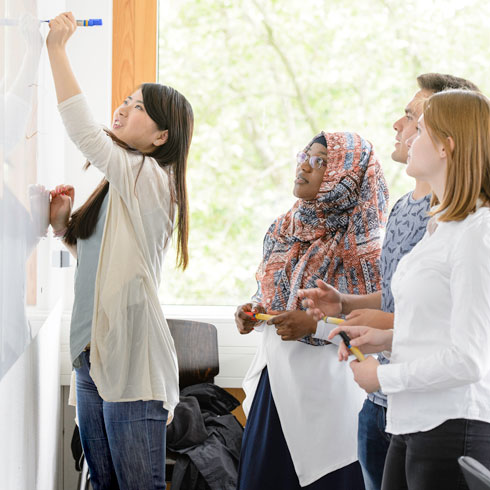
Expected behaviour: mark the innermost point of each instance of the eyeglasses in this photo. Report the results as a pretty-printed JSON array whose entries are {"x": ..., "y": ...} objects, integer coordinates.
[{"x": 315, "y": 162}]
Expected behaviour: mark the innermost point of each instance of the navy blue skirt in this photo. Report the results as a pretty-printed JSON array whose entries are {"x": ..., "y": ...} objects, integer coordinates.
[{"x": 265, "y": 461}]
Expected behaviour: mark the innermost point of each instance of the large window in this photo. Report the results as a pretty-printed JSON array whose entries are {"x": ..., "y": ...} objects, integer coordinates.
[{"x": 263, "y": 78}]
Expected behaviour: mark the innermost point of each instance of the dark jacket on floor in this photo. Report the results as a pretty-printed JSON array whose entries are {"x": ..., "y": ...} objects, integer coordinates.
[{"x": 207, "y": 439}]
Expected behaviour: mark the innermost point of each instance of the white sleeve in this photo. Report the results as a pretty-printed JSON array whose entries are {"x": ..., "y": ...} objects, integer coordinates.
[
  {"x": 467, "y": 360},
  {"x": 323, "y": 330},
  {"x": 114, "y": 162}
]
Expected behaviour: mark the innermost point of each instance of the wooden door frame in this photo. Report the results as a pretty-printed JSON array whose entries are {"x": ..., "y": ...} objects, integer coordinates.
[{"x": 134, "y": 46}]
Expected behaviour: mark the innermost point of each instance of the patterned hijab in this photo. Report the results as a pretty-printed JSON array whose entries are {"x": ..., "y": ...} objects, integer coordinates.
[{"x": 335, "y": 237}]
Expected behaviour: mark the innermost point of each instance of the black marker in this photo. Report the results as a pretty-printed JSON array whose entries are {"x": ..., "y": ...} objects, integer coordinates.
[{"x": 354, "y": 350}]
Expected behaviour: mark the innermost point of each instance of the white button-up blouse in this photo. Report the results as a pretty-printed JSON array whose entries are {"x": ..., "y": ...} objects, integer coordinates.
[{"x": 440, "y": 363}]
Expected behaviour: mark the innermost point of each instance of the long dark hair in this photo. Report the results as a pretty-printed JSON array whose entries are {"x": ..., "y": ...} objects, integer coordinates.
[{"x": 171, "y": 111}]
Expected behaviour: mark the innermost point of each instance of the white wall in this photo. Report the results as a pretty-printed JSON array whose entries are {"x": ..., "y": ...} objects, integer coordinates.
[{"x": 30, "y": 412}]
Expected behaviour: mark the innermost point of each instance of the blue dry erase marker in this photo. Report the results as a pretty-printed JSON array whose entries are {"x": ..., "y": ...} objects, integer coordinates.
[{"x": 83, "y": 23}]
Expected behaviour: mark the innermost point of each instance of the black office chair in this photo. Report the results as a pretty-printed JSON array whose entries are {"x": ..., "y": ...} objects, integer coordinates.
[
  {"x": 196, "y": 344},
  {"x": 476, "y": 475}
]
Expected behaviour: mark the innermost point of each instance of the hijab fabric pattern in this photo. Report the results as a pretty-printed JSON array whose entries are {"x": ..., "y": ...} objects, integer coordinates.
[{"x": 335, "y": 237}]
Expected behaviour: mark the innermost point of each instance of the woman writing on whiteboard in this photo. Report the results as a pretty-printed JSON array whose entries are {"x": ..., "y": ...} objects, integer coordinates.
[
  {"x": 438, "y": 382},
  {"x": 121, "y": 347}
]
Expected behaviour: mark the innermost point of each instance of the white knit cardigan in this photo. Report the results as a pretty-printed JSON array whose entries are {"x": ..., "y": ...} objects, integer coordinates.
[{"x": 132, "y": 352}]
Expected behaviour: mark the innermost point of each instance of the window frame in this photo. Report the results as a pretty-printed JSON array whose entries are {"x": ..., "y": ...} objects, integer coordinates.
[
  {"x": 134, "y": 46},
  {"x": 134, "y": 61}
]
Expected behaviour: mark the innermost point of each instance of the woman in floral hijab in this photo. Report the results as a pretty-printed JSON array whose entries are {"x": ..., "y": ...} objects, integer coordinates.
[{"x": 302, "y": 422}]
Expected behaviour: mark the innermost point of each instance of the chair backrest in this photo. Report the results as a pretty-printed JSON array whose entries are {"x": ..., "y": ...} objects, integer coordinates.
[
  {"x": 476, "y": 475},
  {"x": 196, "y": 344}
]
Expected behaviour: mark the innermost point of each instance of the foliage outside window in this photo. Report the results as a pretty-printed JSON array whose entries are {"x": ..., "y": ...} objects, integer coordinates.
[{"x": 263, "y": 78}]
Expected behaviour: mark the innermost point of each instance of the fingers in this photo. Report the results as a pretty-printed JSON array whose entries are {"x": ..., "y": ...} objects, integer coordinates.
[
  {"x": 353, "y": 365},
  {"x": 309, "y": 294},
  {"x": 354, "y": 321},
  {"x": 354, "y": 314},
  {"x": 258, "y": 308},
  {"x": 286, "y": 334},
  {"x": 61, "y": 29},
  {"x": 70, "y": 191},
  {"x": 65, "y": 19},
  {"x": 241, "y": 313},
  {"x": 244, "y": 323},
  {"x": 323, "y": 285},
  {"x": 334, "y": 332},
  {"x": 316, "y": 313},
  {"x": 343, "y": 352},
  {"x": 279, "y": 318},
  {"x": 363, "y": 339},
  {"x": 66, "y": 190},
  {"x": 351, "y": 330},
  {"x": 307, "y": 302}
]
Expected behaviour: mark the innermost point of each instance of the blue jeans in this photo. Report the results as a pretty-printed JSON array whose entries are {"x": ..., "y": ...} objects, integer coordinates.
[
  {"x": 372, "y": 443},
  {"x": 123, "y": 442}
]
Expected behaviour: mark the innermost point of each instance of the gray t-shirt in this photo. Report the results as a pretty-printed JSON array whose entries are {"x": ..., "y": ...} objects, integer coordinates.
[
  {"x": 405, "y": 228},
  {"x": 88, "y": 251}
]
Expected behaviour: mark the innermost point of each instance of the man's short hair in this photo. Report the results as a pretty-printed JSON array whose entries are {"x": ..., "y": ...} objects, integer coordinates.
[{"x": 437, "y": 82}]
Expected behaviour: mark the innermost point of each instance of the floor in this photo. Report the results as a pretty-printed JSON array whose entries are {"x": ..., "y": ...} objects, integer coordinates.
[{"x": 239, "y": 394}]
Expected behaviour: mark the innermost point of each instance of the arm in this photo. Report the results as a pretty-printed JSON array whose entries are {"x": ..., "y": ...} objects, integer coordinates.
[
  {"x": 61, "y": 29},
  {"x": 89, "y": 137},
  {"x": 371, "y": 318},
  {"x": 466, "y": 359},
  {"x": 60, "y": 210},
  {"x": 325, "y": 300},
  {"x": 351, "y": 302}
]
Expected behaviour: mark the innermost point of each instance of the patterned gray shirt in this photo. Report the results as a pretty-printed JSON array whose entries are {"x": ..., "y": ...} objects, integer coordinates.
[{"x": 405, "y": 228}]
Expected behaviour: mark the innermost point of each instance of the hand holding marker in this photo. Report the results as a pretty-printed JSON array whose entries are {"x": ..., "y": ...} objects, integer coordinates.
[
  {"x": 259, "y": 316},
  {"x": 85, "y": 22},
  {"x": 345, "y": 337}
]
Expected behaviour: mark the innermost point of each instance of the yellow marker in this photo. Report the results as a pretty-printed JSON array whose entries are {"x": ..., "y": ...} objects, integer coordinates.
[
  {"x": 338, "y": 321},
  {"x": 263, "y": 316},
  {"x": 332, "y": 320},
  {"x": 259, "y": 316}
]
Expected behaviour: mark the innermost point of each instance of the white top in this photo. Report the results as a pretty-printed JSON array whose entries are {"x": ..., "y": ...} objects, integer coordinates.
[
  {"x": 323, "y": 330},
  {"x": 132, "y": 353},
  {"x": 440, "y": 363},
  {"x": 317, "y": 402}
]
